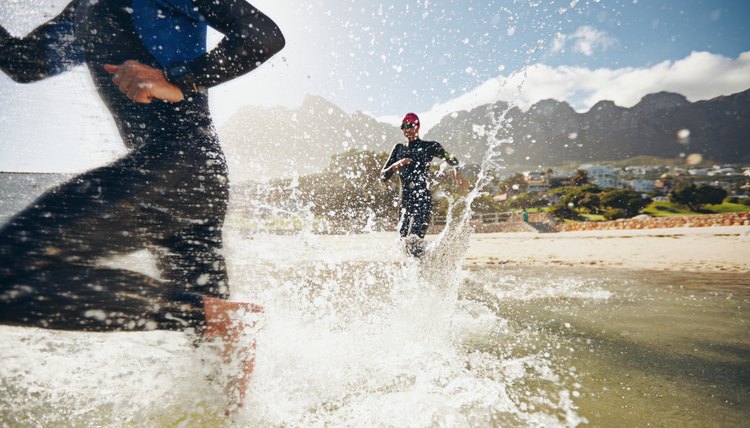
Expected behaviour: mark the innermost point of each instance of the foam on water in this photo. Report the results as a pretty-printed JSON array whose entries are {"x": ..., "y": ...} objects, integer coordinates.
[
  {"x": 372, "y": 338},
  {"x": 513, "y": 287},
  {"x": 344, "y": 342},
  {"x": 351, "y": 336},
  {"x": 354, "y": 334}
]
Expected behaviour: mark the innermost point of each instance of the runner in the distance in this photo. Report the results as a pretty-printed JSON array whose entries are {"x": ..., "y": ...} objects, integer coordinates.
[
  {"x": 412, "y": 163},
  {"x": 169, "y": 194}
]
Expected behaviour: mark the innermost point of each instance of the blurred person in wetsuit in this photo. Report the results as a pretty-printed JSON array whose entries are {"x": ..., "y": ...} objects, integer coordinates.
[
  {"x": 411, "y": 161},
  {"x": 151, "y": 67}
]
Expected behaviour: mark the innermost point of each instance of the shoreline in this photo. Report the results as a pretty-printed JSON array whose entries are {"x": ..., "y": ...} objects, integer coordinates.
[
  {"x": 688, "y": 249},
  {"x": 685, "y": 249}
]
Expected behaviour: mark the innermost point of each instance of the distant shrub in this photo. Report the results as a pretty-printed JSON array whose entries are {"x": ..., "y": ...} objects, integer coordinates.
[
  {"x": 696, "y": 196},
  {"x": 564, "y": 212},
  {"x": 745, "y": 201},
  {"x": 628, "y": 201},
  {"x": 731, "y": 200},
  {"x": 485, "y": 204},
  {"x": 526, "y": 200},
  {"x": 615, "y": 213}
]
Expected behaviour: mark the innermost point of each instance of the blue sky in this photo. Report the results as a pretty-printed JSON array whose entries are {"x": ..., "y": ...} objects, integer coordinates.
[
  {"x": 428, "y": 56},
  {"x": 381, "y": 56}
]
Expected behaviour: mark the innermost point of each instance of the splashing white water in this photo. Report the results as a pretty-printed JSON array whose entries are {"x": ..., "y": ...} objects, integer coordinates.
[
  {"x": 354, "y": 335},
  {"x": 345, "y": 341}
]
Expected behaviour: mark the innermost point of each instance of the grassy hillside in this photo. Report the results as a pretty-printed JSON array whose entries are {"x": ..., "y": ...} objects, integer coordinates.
[{"x": 665, "y": 209}]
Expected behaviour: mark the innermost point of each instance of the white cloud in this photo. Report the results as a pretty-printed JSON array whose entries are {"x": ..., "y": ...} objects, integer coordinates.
[
  {"x": 558, "y": 43},
  {"x": 699, "y": 76},
  {"x": 585, "y": 40}
]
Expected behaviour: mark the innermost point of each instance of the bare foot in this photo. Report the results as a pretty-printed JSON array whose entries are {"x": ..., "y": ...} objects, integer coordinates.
[{"x": 226, "y": 320}]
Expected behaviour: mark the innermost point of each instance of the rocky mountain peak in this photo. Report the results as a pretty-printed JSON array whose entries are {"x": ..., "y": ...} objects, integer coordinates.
[{"x": 661, "y": 100}]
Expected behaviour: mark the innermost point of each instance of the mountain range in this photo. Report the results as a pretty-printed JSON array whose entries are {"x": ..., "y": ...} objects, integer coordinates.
[{"x": 283, "y": 142}]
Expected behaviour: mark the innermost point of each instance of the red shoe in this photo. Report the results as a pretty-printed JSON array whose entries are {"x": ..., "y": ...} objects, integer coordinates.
[{"x": 226, "y": 320}]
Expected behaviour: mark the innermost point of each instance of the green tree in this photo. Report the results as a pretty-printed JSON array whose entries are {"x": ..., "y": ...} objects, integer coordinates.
[
  {"x": 526, "y": 200},
  {"x": 485, "y": 204},
  {"x": 570, "y": 195},
  {"x": 349, "y": 191},
  {"x": 613, "y": 203},
  {"x": 570, "y": 200},
  {"x": 626, "y": 203},
  {"x": 564, "y": 212},
  {"x": 514, "y": 184},
  {"x": 580, "y": 178},
  {"x": 694, "y": 197},
  {"x": 590, "y": 202}
]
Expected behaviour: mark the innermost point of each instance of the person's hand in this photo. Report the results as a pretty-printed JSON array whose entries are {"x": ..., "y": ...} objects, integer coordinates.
[
  {"x": 142, "y": 83},
  {"x": 403, "y": 162}
]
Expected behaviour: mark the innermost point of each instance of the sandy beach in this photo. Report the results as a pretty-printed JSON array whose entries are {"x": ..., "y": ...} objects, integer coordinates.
[
  {"x": 689, "y": 249},
  {"x": 705, "y": 249}
]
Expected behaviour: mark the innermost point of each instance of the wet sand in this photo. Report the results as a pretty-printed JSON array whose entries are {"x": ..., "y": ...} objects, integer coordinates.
[
  {"x": 709, "y": 249},
  {"x": 697, "y": 249}
]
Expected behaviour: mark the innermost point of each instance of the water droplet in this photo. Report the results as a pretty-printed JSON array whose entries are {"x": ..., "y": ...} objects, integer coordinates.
[{"x": 694, "y": 158}]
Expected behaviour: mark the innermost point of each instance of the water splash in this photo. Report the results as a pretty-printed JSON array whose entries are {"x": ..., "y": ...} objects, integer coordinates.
[
  {"x": 354, "y": 336},
  {"x": 445, "y": 254}
]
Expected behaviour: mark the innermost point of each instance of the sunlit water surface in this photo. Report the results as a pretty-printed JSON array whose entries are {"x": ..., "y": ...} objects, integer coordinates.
[{"x": 355, "y": 334}]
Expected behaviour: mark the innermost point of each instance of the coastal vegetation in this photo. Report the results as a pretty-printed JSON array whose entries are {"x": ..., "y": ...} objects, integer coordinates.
[{"x": 348, "y": 196}]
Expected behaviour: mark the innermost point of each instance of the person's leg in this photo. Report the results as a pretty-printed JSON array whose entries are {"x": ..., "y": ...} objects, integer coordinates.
[
  {"x": 62, "y": 225},
  {"x": 228, "y": 321},
  {"x": 189, "y": 246},
  {"x": 405, "y": 223},
  {"x": 49, "y": 275},
  {"x": 422, "y": 213},
  {"x": 87, "y": 298},
  {"x": 420, "y": 208},
  {"x": 407, "y": 214},
  {"x": 190, "y": 260}
]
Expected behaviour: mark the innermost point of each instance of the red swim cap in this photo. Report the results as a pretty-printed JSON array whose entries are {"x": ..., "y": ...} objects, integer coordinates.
[{"x": 411, "y": 118}]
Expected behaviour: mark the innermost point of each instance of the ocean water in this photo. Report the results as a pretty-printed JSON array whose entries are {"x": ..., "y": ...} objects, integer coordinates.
[
  {"x": 17, "y": 190},
  {"x": 356, "y": 334}
]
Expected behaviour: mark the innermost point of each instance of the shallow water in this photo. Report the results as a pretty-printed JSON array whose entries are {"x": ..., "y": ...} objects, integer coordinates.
[
  {"x": 355, "y": 335},
  {"x": 641, "y": 347}
]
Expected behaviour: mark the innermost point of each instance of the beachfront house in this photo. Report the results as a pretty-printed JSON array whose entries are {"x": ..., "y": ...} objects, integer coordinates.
[
  {"x": 602, "y": 176},
  {"x": 536, "y": 181},
  {"x": 644, "y": 186},
  {"x": 726, "y": 171}
]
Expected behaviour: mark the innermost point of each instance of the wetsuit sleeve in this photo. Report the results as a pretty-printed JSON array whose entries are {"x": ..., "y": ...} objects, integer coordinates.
[
  {"x": 385, "y": 173},
  {"x": 439, "y": 152},
  {"x": 250, "y": 38},
  {"x": 48, "y": 50}
]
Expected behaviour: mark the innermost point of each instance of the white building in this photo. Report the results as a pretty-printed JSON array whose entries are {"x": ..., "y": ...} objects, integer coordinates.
[
  {"x": 602, "y": 176},
  {"x": 722, "y": 171},
  {"x": 536, "y": 181},
  {"x": 642, "y": 185},
  {"x": 698, "y": 171}
]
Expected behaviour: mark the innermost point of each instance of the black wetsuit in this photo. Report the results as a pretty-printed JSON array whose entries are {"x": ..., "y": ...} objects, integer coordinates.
[
  {"x": 169, "y": 194},
  {"x": 416, "y": 199}
]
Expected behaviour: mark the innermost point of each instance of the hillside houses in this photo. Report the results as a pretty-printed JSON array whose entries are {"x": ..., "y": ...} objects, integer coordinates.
[
  {"x": 603, "y": 176},
  {"x": 655, "y": 180}
]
